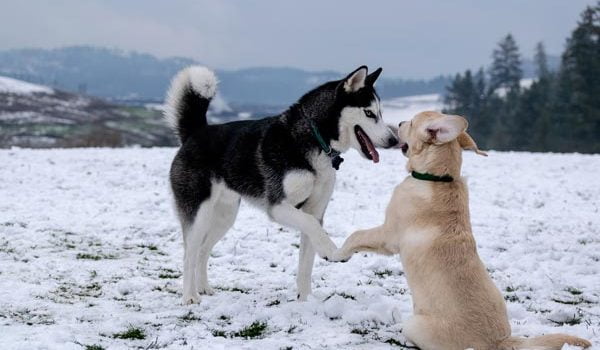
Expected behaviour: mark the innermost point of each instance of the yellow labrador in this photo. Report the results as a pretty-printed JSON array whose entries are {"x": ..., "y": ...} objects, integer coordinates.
[{"x": 456, "y": 304}]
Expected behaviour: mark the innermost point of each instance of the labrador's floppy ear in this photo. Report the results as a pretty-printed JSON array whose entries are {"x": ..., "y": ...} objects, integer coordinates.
[
  {"x": 442, "y": 130},
  {"x": 356, "y": 80},
  {"x": 371, "y": 78},
  {"x": 466, "y": 142}
]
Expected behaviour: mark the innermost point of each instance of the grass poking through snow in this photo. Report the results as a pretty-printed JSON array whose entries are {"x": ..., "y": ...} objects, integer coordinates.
[{"x": 131, "y": 333}]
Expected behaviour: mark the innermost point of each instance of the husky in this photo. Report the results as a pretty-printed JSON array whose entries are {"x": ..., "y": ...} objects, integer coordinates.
[{"x": 284, "y": 164}]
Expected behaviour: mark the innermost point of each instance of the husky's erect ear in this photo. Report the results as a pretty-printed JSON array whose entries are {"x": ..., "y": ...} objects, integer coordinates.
[
  {"x": 444, "y": 129},
  {"x": 356, "y": 80},
  {"x": 371, "y": 78},
  {"x": 466, "y": 142}
]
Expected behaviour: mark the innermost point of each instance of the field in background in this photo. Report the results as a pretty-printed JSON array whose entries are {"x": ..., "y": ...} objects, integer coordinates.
[
  {"x": 37, "y": 116},
  {"x": 90, "y": 255}
]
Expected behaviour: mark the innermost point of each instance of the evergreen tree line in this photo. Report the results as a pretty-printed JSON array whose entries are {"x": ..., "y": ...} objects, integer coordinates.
[{"x": 558, "y": 112}]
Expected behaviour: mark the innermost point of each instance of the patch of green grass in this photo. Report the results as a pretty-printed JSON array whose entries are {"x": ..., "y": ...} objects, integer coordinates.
[
  {"x": 396, "y": 342},
  {"x": 88, "y": 256},
  {"x": 274, "y": 302},
  {"x": 189, "y": 317},
  {"x": 342, "y": 294},
  {"x": 131, "y": 333},
  {"x": 573, "y": 291},
  {"x": 166, "y": 288},
  {"x": 360, "y": 331},
  {"x": 382, "y": 274},
  {"x": 568, "y": 302},
  {"x": 94, "y": 347},
  {"x": 393, "y": 341},
  {"x": 255, "y": 330},
  {"x": 166, "y": 275},
  {"x": 234, "y": 289},
  {"x": 512, "y": 298},
  {"x": 571, "y": 321},
  {"x": 148, "y": 246},
  {"x": 219, "y": 333}
]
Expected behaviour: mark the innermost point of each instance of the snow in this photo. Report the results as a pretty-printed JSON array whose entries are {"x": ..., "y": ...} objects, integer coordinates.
[
  {"x": 89, "y": 246},
  {"x": 404, "y": 108},
  {"x": 10, "y": 85},
  {"x": 523, "y": 83}
]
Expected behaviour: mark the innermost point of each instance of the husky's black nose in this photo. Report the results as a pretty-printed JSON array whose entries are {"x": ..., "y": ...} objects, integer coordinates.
[{"x": 392, "y": 141}]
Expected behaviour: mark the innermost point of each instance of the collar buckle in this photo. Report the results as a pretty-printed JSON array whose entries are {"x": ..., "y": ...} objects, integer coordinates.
[{"x": 334, "y": 154}]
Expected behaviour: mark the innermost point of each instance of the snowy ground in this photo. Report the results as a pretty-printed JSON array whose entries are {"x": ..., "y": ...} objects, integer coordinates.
[
  {"x": 89, "y": 248},
  {"x": 21, "y": 87}
]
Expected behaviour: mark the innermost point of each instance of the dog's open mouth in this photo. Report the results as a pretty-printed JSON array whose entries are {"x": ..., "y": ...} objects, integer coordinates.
[
  {"x": 366, "y": 145},
  {"x": 404, "y": 147}
]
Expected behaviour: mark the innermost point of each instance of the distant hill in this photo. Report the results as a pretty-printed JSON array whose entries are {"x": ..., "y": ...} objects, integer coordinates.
[
  {"x": 39, "y": 117},
  {"x": 135, "y": 77}
]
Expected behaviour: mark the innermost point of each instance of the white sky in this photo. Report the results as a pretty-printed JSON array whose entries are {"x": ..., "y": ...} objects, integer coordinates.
[{"x": 412, "y": 39}]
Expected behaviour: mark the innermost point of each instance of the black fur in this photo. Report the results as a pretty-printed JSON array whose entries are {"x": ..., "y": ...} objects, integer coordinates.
[{"x": 252, "y": 157}]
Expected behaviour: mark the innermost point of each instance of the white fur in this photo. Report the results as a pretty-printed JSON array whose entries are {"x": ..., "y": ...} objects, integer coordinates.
[
  {"x": 298, "y": 185},
  {"x": 201, "y": 79},
  {"x": 287, "y": 215},
  {"x": 316, "y": 194},
  {"x": 315, "y": 205},
  {"x": 214, "y": 218},
  {"x": 377, "y": 130}
]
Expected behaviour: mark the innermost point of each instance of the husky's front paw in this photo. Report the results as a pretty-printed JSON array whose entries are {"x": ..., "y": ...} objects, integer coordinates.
[
  {"x": 326, "y": 248},
  {"x": 340, "y": 255}
]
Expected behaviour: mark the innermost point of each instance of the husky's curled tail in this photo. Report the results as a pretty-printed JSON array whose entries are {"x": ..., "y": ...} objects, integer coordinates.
[
  {"x": 188, "y": 99},
  {"x": 544, "y": 342}
]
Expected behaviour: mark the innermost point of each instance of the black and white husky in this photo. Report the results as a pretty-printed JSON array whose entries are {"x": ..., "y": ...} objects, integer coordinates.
[{"x": 284, "y": 164}]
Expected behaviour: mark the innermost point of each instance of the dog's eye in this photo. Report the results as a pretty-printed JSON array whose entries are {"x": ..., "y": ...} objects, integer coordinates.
[{"x": 370, "y": 114}]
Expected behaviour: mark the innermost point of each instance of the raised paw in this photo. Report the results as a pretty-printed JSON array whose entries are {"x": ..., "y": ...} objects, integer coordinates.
[
  {"x": 326, "y": 249},
  {"x": 340, "y": 255}
]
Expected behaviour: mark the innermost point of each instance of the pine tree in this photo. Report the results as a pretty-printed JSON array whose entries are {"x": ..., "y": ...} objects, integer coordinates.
[
  {"x": 537, "y": 101},
  {"x": 480, "y": 121},
  {"x": 576, "y": 112},
  {"x": 466, "y": 96},
  {"x": 506, "y": 69},
  {"x": 459, "y": 94},
  {"x": 541, "y": 61},
  {"x": 504, "y": 93}
]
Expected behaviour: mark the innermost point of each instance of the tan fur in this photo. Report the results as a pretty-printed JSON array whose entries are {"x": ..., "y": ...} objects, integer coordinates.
[{"x": 456, "y": 304}]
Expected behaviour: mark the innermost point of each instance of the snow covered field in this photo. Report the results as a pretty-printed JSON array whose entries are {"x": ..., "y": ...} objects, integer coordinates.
[{"x": 90, "y": 254}]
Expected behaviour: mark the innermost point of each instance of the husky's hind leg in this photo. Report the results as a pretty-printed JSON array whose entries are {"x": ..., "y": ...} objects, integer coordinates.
[
  {"x": 224, "y": 213},
  {"x": 193, "y": 235}
]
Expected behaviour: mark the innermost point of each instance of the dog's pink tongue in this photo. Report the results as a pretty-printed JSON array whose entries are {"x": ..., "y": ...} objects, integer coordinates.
[{"x": 372, "y": 150}]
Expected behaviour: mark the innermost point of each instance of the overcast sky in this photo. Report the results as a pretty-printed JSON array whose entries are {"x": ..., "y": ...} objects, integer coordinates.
[{"x": 412, "y": 39}]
